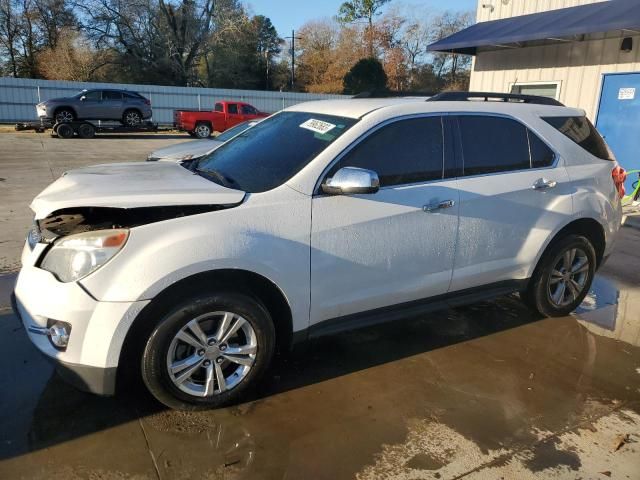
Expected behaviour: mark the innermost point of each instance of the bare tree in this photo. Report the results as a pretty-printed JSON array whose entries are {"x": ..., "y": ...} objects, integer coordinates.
[
  {"x": 10, "y": 25},
  {"x": 451, "y": 64},
  {"x": 53, "y": 16},
  {"x": 415, "y": 39},
  {"x": 72, "y": 58}
]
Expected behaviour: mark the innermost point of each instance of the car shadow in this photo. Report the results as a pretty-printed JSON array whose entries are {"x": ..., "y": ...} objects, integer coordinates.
[
  {"x": 38, "y": 415},
  {"x": 141, "y": 136}
]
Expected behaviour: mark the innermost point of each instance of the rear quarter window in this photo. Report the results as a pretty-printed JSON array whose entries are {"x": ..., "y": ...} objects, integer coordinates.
[{"x": 582, "y": 132}]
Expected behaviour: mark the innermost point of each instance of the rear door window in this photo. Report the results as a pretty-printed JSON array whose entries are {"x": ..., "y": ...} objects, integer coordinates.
[
  {"x": 581, "y": 131},
  {"x": 406, "y": 151},
  {"x": 493, "y": 144},
  {"x": 218, "y": 107},
  {"x": 232, "y": 108}
]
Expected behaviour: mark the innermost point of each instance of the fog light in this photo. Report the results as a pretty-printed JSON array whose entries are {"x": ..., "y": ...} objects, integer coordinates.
[{"x": 59, "y": 333}]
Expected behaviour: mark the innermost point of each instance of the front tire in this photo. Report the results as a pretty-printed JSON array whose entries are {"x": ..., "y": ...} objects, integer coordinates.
[
  {"x": 563, "y": 277},
  {"x": 64, "y": 130},
  {"x": 208, "y": 351}
]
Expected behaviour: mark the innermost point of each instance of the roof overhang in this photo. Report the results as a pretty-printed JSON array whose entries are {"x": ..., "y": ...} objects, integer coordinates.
[{"x": 554, "y": 26}]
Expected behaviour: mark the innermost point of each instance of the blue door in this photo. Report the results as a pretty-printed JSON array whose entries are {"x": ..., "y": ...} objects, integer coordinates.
[{"x": 619, "y": 119}]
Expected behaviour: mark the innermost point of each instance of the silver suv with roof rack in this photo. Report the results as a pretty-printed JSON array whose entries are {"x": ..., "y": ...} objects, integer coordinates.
[
  {"x": 129, "y": 108},
  {"x": 323, "y": 217}
]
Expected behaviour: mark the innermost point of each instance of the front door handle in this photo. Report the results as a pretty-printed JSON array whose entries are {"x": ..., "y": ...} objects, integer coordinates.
[
  {"x": 544, "y": 184},
  {"x": 432, "y": 207}
]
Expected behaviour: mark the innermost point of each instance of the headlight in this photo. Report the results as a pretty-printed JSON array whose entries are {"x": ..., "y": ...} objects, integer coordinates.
[
  {"x": 76, "y": 256},
  {"x": 33, "y": 236}
]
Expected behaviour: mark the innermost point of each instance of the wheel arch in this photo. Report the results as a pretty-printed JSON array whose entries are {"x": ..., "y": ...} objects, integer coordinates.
[
  {"x": 230, "y": 279},
  {"x": 586, "y": 227},
  {"x": 130, "y": 109}
]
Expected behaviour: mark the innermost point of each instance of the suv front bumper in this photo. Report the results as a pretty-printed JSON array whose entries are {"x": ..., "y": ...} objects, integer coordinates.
[
  {"x": 98, "y": 329},
  {"x": 101, "y": 381}
]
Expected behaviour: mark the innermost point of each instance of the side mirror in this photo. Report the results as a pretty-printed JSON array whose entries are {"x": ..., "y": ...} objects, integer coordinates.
[{"x": 352, "y": 180}]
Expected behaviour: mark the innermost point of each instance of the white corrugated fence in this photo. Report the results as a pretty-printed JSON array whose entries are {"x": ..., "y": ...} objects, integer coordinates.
[{"x": 18, "y": 97}]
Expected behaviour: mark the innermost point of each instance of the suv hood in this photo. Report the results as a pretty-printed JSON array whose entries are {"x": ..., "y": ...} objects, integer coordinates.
[
  {"x": 132, "y": 185},
  {"x": 60, "y": 99}
]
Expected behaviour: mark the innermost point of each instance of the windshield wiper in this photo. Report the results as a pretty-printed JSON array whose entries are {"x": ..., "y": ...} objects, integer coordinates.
[{"x": 216, "y": 177}]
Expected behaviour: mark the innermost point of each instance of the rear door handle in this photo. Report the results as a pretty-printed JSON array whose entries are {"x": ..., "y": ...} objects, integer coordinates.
[
  {"x": 544, "y": 184},
  {"x": 432, "y": 207}
]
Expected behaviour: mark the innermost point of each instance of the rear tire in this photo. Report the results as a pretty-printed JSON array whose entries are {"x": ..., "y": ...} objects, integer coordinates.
[
  {"x": 562, "y": 278},
  {"x": 202, "y": 130},
  {"x": 86, "y": 130},
  {"x": 131, "y": 118},
  {"x": 182, "y": 364}
]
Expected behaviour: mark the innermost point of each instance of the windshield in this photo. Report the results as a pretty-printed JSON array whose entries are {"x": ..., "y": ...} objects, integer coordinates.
[
  {"x": 271, "y": 152},
  {"x": 233, "y": 131}
]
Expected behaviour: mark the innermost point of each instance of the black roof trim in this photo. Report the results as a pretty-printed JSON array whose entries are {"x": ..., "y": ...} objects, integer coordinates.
[{"x": 493, "y": 97}]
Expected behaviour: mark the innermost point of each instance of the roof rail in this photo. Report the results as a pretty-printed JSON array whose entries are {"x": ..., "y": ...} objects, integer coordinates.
[
  {"x": 493, "y": 97},
  {"x": 391, "y": 94}
]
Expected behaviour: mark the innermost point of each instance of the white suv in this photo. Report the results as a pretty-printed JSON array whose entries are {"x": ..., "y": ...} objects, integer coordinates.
[{"x": 326, "y": 216}]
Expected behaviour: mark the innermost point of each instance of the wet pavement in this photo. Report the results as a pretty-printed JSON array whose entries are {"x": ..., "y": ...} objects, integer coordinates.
[{"x": 487, "y": 391}]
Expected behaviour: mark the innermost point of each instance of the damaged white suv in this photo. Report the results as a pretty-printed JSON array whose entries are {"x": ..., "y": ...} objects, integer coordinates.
[{"x": 326, "y": 216}]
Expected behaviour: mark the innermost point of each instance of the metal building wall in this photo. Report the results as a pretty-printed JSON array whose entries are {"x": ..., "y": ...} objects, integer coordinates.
[
  {"x": 578, "y": 66},
  {"x": 18, "y": 97},
  {"x": 513, "y": 8}
]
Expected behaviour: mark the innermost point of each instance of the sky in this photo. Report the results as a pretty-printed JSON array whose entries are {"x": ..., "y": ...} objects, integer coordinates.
[{"x": 292, "y": 14}]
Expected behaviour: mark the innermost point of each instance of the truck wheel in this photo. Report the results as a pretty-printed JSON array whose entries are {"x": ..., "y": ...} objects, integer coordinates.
[
  {"x": 131, "y": 118},
  {"x": 86, "y": 130},
  {"x": 64, "y": 115},
  {"x": 208, "y": 350},
  {"x": 203, "y": 130},
  {"x": 64, "y": 130}
]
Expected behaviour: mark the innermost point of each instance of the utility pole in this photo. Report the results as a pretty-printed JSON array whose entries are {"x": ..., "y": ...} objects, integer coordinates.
[{"x": 293, "y": 58}]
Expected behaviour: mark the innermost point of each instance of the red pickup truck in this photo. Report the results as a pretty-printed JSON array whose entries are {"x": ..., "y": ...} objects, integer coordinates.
[{"x": 225, "y": 115}]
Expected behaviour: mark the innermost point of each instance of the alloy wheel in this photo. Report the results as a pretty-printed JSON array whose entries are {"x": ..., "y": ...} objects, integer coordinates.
[
  {"x": 203, "y": 131},
  {"x": 212, "y": 354},
  {"x": 64, "y": 116},
  {"x": 568, "y": 277},
  {"x": 132, "y": 118}
]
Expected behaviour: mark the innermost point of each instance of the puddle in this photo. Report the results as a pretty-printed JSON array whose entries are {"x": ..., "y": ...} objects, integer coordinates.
[{"x": 611, "y": 312}]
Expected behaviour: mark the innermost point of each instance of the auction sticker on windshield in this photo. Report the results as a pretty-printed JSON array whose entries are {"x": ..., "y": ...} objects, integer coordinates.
[{"x": 317, "y": 126}]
